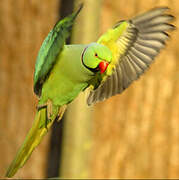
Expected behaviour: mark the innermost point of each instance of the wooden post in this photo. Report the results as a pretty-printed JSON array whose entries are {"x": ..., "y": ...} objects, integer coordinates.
[{"x": 77, "y": 140}]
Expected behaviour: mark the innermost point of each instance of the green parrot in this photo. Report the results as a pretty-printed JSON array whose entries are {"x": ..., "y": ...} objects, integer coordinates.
[{"x": 106, "y": 67}]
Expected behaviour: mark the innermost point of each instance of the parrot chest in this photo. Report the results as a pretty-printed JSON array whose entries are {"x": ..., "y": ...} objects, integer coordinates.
[{"x": 67, "y": 78}]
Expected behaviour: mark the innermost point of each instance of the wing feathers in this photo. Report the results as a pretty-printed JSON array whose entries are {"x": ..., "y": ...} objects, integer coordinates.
[
  {"x": 156, "y": 21},
  {"x": 135, "y": 58},
  {"x": 146, "y": 17},
  {"x": 146, "y": 50},
  {"x": 138, "y": 46},
  {"x": 157, "y": 36},
  {"x": 115, "y": 82},
  {"x": 150, "y": 43},
  {"x": 135, "y": 65},
  {"x": 158, "y": 28},
  {"x": 50, "y": 49}
]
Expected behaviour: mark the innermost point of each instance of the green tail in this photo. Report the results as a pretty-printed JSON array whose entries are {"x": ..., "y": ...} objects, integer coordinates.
[{"x": 34, "y": 137}]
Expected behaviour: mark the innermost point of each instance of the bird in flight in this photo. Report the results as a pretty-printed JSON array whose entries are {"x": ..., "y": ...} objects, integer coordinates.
[{"x": 106, "y": 68}]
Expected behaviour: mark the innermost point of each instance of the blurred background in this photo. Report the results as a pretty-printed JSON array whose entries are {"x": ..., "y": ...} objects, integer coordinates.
[{"x": 132, "y": 135}]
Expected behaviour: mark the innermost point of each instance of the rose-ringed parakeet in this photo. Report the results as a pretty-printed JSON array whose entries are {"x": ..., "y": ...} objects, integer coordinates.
[{"x": 107, "y": 67}]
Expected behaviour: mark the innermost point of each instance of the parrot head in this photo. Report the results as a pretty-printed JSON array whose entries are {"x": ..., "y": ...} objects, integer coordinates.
[{"x": 96, "y": 57}]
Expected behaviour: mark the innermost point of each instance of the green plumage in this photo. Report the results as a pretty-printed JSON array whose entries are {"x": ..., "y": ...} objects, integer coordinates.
[
  {"x": 109, "y": 66},
  {"x": 64, "y": 84},
  {"x": 51, "y": 47}
]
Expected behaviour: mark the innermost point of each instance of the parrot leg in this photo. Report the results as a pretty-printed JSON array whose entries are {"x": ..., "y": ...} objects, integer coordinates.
[
  {"x": 49, "y": 111},
  {"x": 39, "y": 107},
  {"x": 49, "y": 107}
]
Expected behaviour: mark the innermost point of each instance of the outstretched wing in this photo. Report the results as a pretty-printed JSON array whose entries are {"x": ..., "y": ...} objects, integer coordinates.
[
  {"x": 134, "y": 44},
  {"x": 50, "y": 49}
]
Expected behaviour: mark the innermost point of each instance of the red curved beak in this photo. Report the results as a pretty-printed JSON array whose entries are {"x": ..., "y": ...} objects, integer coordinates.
[{"x": 103, "y": 66}]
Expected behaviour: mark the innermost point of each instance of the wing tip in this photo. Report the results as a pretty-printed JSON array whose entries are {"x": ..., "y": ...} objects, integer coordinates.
[
  {"x": 165, "y": 8},
  {"x": 160, "y": 8},
  {"x": 154, "y": 12},
  {"x": 79, "y": 9}
]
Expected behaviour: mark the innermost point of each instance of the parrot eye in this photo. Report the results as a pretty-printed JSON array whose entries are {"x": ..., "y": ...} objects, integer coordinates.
[{"x": 96, "y": 55}]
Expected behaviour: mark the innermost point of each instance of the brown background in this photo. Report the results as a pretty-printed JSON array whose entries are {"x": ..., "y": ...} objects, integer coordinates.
[{"x": 133, "y": 135}]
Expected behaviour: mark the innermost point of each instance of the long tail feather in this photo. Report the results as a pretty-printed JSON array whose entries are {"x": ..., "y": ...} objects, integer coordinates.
[{"x": 32, "y": 140}]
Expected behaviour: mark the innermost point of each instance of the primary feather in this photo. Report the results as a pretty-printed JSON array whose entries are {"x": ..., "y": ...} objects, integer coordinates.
[{"x": 134, "y": 44}]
